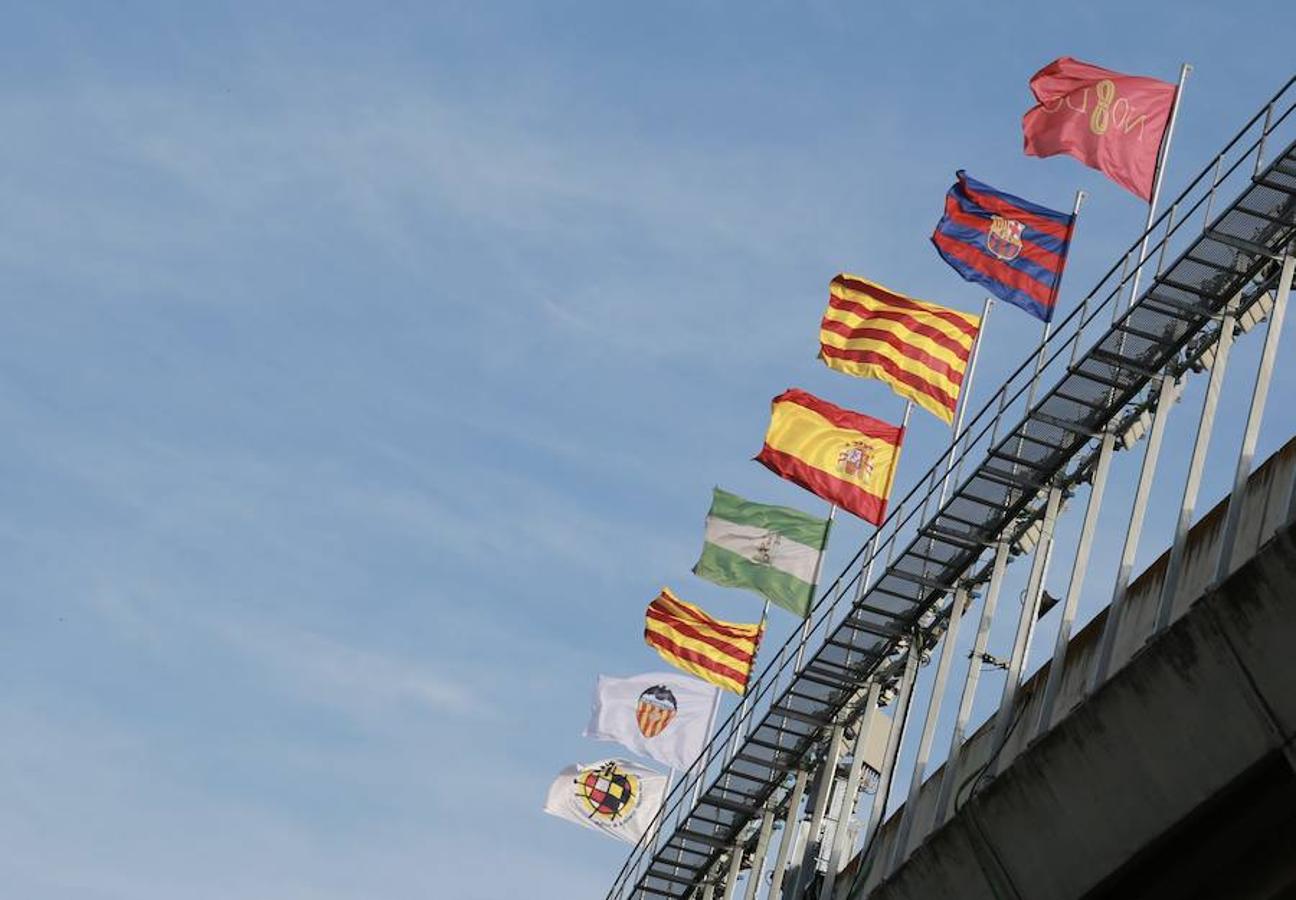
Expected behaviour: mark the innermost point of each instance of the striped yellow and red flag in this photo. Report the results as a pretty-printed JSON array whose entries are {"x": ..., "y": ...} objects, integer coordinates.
[
  {"x": 920, "y": 349},
  {"x": 722, "y": 653},
  {"x": 845, "y": 457}
]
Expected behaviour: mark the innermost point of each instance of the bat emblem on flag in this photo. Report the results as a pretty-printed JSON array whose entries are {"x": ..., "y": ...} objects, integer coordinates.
[
  {"x": 655, "y": 710},
  {"x": 1004, "y": 237}
]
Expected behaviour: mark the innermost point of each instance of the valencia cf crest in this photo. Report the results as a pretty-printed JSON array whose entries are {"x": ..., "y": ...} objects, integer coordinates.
[
  {"x": 1004, "y": 239},
  {"x": 608, "y": 793},
  {"x": 855, "y": 460},
  {"x": 655, "y": 710}
]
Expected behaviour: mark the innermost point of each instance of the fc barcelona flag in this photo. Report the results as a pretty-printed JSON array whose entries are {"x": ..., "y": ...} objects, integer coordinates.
[{"x": 1013, "y": 247}]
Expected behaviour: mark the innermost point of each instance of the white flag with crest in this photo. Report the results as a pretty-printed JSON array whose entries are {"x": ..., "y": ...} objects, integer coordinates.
[
  {"x": 612, "y": 796},
  {"x": 663, "y": 716}
]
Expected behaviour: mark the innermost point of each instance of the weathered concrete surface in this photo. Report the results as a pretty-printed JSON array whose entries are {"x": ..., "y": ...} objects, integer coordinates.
[
  {"x": 1267, "y": 501},
  {"x": 1173, "y": 779}
]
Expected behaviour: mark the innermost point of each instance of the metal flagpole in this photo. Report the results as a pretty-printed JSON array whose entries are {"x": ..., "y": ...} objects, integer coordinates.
[
  {"x": 908, "y": 410},
  {"x": 965, "y": 389},
  {"x": 895, "y": 515},
  {"x": 661, "y": 821},
  {"x": 661, "y": 814},
  {"x": 1259, "y": 395},
  {"x": 814, "y": 588},
  {"x": 1156, "y": 183},
  {"x": 964, "y": 398},
  {"x": 965, "y": 393},
  {"x": 705, "y": 759},
  {"x": 742, "y": 709},
  {"x": 904, "y": 427}
]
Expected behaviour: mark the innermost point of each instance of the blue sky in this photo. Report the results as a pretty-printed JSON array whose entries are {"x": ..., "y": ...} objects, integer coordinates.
[{"x": 367, "y": 368}]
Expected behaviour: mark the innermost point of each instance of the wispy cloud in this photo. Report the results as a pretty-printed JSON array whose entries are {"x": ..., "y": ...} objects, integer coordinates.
[
  {"x": 289, "y": 154},
  {"x": 301, "y": 664},
  {"x": 363, "y": 682}
]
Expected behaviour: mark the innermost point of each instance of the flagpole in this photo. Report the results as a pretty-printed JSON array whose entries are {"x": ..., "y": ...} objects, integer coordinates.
[
  {"x": 966, "y": 388},
  {"x": 660, "y": 818},
  {"x": 814, "y": 586},
  {"x": 875, "y": 542},
  {"x": 742, "y": 708},
  {"x": 904, "y": 420},
  {"x": 965, "y": 396},
  {"x": 1162, "y": 157},
  {"x": 705, "y": 757},
  {"x": 904, "y": 426}
]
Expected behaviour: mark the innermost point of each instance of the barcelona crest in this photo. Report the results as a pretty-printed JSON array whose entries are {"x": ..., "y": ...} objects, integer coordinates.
[
  {"x": 1004, "y": 239},
  {"x": 655, "y": 710},
  {"x": 608, "y": 793}
]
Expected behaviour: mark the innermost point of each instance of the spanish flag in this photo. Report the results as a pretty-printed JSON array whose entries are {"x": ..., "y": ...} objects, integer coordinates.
[
  {"x": 847, "y": 458},
  {"x": 721, "y": 653},
  {"x": 920, "y": 349}
]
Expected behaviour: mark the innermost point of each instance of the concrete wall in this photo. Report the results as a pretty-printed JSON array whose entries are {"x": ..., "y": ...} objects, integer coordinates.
[{"x": 1025, "y": 778}]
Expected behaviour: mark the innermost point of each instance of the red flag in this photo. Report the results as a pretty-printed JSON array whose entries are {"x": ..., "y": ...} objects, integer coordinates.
[{"x": 1111, "y": 122}]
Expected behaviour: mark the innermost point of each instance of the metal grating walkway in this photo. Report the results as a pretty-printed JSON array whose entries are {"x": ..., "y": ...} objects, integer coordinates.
[{"x": 862, "y": 633}]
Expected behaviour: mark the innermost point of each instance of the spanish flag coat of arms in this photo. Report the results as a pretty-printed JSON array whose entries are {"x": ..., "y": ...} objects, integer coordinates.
[{"x": 845, "y": 457}]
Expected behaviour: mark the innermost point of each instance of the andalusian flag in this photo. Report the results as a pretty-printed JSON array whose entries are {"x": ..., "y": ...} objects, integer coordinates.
[
  {"x": 920, "y": 349},
  {"x": 847, "y": 458},
  {"x": 721, "y": 653},
  {"x": 772, "y": 550}
]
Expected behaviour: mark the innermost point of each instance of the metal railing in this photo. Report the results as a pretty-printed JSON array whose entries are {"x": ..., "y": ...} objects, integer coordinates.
[{"x": 890, "y": 592}]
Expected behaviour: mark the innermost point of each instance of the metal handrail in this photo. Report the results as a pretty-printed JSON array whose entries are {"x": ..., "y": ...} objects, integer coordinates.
[{"x": 856, "y": 573}]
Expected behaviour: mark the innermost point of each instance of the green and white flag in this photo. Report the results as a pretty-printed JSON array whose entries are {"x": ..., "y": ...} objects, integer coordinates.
[{"x": 772, "y": 550}]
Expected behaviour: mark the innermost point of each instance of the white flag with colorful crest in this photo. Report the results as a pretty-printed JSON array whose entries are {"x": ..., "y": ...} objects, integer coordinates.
[
  {"x": 613, "y": 796},
  {"x": 663, "y": 716}
]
